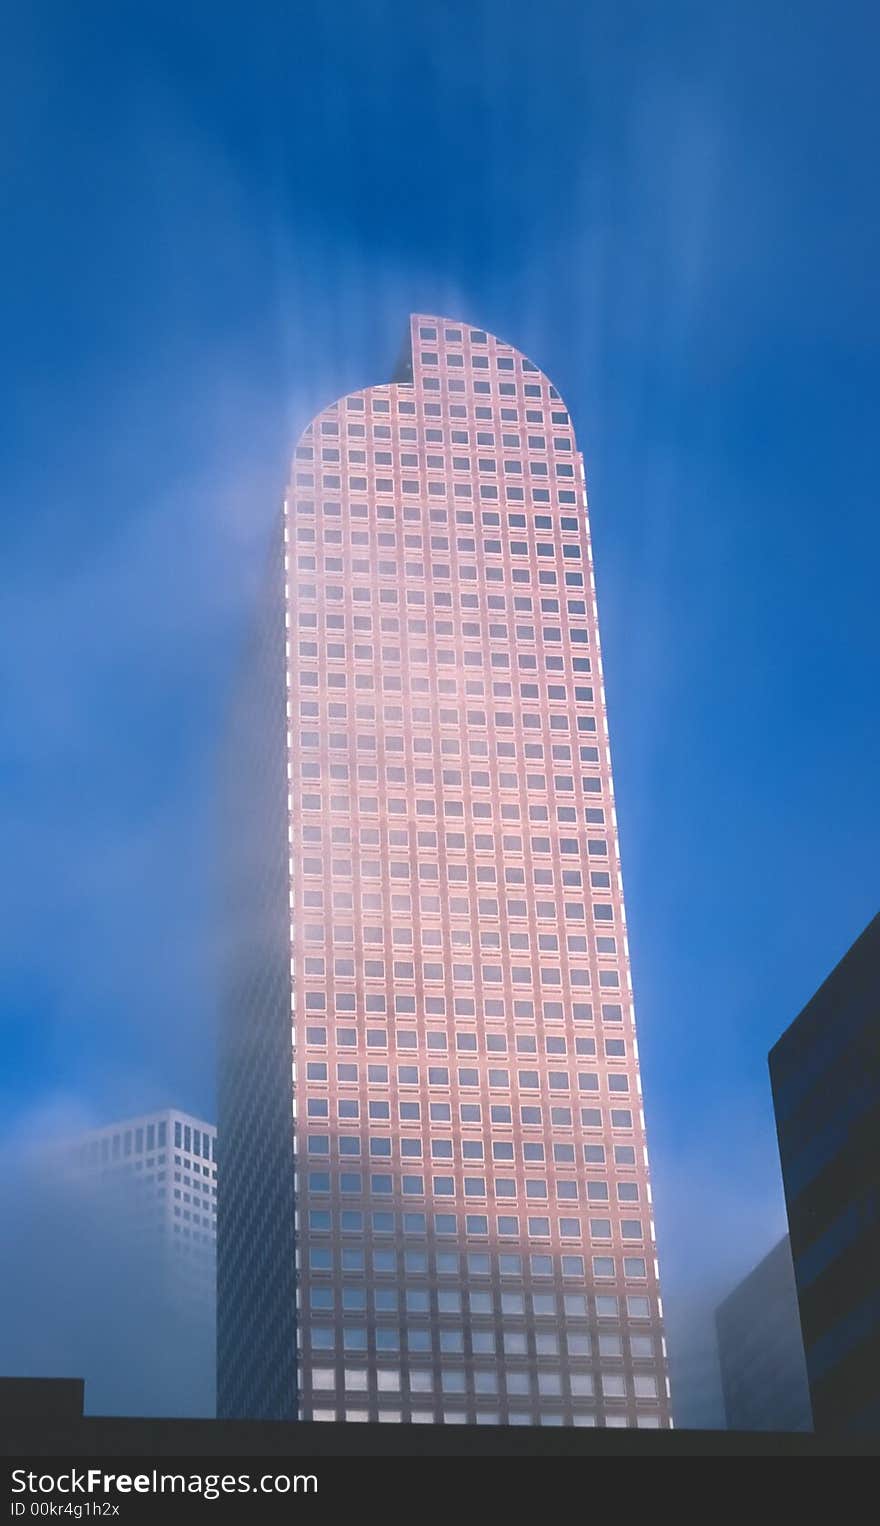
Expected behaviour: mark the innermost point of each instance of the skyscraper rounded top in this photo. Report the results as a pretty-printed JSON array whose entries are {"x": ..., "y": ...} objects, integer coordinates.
[{"x": 472, "y": 360}]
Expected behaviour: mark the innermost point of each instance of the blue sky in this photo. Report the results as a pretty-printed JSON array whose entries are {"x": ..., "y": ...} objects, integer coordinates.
[{"x": 217, "y": 219}]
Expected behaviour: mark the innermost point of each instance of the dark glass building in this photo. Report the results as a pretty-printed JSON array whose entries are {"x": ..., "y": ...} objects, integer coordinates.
[
  {"x": 825, "y": 1074},
  {"x": 761, "y": 1352}
]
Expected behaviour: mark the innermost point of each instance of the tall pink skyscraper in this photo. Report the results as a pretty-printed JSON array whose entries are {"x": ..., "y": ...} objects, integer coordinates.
[{"x": 435, "y": 1201}]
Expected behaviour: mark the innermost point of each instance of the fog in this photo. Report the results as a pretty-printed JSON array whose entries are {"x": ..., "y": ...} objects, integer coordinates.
[
  {"x": 222, "y": 218},
  {"x": 83, "y": 1291}
]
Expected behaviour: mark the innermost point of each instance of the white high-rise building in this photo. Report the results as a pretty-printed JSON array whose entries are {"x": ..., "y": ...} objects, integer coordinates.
[
  {"x": 159, "y": 1172},
  {"x": 130, "y": 1284}
]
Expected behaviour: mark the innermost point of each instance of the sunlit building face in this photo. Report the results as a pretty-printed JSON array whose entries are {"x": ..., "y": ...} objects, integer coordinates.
[{"x": 466, "y": 1149}]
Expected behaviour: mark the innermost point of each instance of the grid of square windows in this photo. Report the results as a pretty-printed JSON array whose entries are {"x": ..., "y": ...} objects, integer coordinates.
[{"x": 468, "y": 1133}]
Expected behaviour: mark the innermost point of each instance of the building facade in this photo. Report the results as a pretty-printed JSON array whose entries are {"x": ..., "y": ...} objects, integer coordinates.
[
  {"x": 161, "y": 1171},
  {"x": 430, "y": 1100},
  {"x": 761, "y": 1352},
  {"x": 825, "y": 1075},
  {"x": 131, "y": 1303}
]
